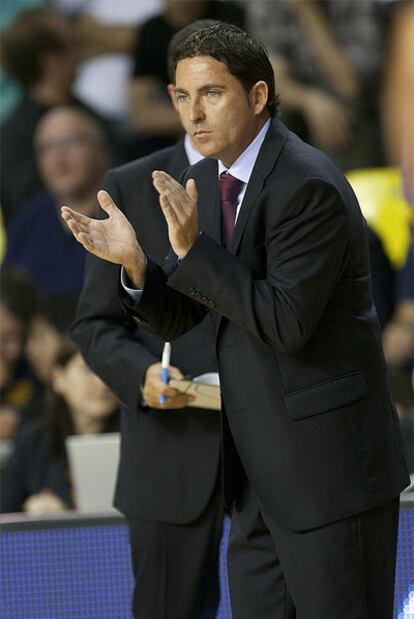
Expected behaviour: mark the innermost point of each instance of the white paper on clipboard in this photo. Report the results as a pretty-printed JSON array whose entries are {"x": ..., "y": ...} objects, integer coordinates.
[{"x": 205, "y": 390}]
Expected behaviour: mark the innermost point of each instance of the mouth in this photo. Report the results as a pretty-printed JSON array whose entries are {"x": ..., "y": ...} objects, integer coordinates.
[{"x": 200, "y": 133}]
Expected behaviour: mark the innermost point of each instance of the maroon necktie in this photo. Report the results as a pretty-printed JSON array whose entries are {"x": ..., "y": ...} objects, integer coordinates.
[{"x": 229, "y": 188}]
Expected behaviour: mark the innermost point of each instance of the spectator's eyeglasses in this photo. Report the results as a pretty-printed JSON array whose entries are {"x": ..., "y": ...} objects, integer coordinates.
[{"x": 67, "y": 142}]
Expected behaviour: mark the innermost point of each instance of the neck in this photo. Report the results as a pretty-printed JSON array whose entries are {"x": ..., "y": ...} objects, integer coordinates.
[{"x": 50, "y": 94}]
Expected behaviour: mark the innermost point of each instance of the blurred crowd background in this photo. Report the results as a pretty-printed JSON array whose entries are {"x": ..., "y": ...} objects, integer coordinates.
[{"x": 84, "y": 88}]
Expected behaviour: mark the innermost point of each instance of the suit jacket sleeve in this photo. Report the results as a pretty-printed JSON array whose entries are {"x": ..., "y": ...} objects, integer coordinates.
[
  {"x": 305, "y": 257},
  {"x": 106, "y": 335},
  {"x": 160, "y": 310}
]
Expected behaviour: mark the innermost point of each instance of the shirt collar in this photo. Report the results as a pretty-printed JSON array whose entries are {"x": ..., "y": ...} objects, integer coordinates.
[
  {"x": 242, "y": 168},
  {"x": 193, "y": 155}
]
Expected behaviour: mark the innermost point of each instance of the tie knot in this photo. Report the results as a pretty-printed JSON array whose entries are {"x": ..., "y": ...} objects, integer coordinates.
[{"x": 229, "y": 187}]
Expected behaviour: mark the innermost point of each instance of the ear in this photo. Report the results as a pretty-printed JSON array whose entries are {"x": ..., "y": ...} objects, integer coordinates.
[
  {"x": 173, "y": 97},
  {"x": 259, "y": 95}
]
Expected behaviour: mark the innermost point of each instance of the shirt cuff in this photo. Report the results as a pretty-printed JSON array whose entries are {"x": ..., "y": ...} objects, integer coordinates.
[{"x": 134, "y": 294}]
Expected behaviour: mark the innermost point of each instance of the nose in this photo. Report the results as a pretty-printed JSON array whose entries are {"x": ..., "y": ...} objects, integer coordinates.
[{"x": 196, "y": 112}]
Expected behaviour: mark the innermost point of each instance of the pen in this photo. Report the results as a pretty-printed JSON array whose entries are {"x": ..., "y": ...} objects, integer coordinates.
[{"x": 165, "y": 364}]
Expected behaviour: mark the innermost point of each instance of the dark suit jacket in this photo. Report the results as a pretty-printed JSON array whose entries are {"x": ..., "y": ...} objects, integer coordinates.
[
  {"x": 169, "y": 459},
  {"x": 303, "y": 377}
]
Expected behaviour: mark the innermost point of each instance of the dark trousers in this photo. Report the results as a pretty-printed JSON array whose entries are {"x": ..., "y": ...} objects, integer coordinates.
[
  {"x": 176, "y": 567},
  {"x": 344, "y": 570}
]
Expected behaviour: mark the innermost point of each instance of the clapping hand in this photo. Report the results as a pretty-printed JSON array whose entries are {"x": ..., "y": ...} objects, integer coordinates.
[
  {"x": 179, "y": 206},
  {"x": 111, "y": 239}
]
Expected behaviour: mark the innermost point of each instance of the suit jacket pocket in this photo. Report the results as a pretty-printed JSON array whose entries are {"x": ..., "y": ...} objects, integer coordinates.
[{"x": 326, "y": 396}]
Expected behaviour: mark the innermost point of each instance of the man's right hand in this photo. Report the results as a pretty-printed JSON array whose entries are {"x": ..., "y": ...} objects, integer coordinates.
[
  {"x": 111, "y": 239},
  {"x": 154, "y": 388}
]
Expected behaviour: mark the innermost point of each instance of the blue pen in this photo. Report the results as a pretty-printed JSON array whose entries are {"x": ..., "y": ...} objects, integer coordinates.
[{"x": 165, "y": 364}]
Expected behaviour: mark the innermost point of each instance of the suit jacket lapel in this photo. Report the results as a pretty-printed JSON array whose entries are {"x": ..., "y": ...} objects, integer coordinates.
[{"x": 273, "y": 143}]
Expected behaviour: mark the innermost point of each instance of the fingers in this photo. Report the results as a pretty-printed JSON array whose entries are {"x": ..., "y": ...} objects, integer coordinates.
[
  {"x": 69, "y": 214},
  {"x": 173, "y": 398},
  {"x": 79, "y": 231},
  {"x": 106, "y": 202},
  {"x": 169, "y": 212},
  {"x": 171, "y": 402},
  {"x": 78, "y": 224},
  {"x": 154, "y": 388},
  {"x": 72, "y": 221},
  {"x": 179, "y": 207},
  {"x": 178, "y": 198},
  {"x": 163, "y": 182},
  {"x": 191, "y": 189},
  {"x": 175, "y": 372}
]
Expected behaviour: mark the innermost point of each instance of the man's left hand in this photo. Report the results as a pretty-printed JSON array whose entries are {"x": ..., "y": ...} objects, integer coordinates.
[{"x": 179, "y": 206}]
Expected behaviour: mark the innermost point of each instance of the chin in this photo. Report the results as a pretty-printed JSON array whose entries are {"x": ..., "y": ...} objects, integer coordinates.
[{"x": 209, "y": 152}]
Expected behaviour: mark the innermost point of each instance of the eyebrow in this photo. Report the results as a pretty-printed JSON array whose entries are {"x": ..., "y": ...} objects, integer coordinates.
[{"x": 201, "y": 89}]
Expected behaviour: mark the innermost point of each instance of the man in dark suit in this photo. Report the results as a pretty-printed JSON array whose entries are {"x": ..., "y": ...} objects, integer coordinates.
[
  {"x": 312, "y": 454},
  {"x": 167, "y": 481}
]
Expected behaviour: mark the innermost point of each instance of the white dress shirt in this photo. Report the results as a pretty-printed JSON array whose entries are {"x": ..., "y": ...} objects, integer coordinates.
[{"x": 242, "y": 168}]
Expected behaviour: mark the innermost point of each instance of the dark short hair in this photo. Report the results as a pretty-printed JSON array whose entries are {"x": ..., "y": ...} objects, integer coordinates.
[
  {"x": 245, "y": 57},
  {"x": 57, "y": 416},
  {"x": 19, "y": 294},
  {"x": 181, "y": 36},
  {"x": 30, "y": 36}
]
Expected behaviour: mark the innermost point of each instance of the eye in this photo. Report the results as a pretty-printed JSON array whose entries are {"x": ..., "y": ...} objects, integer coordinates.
[
  {"x": 213, "y": 93},
  {"x": 181, "y": 98}
]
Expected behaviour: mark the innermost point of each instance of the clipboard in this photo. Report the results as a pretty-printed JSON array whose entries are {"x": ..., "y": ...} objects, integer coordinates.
[{"x": 205, "y": 395}]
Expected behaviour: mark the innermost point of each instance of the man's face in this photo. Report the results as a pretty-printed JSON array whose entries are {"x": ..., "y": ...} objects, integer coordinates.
[
  {"x": 69, "y": 156},
  {"x": 217, "y": 113}
]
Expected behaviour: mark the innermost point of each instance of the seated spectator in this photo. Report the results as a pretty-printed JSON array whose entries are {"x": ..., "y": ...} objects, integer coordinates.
[
  {"x": 17, "y": 384},
  {"x": 36, "y": 478},
  {"x": 48, "y": 331},
  {"x": 328, "y": 57},
  {"x": 38, "y": 50},
  {"x": 151, "y": 113},
  {"x": 72, "y": 156}
]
